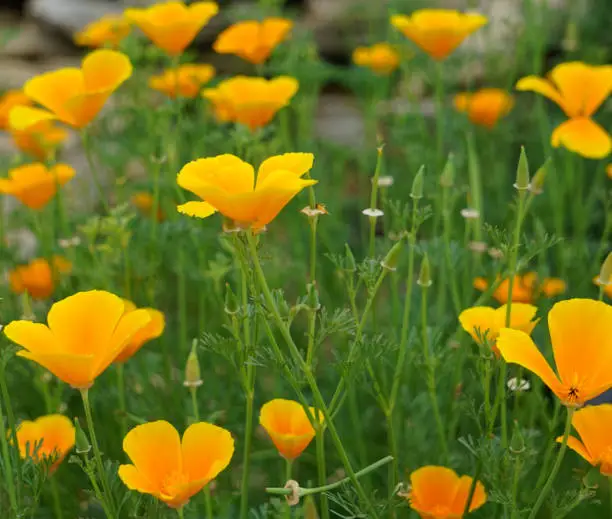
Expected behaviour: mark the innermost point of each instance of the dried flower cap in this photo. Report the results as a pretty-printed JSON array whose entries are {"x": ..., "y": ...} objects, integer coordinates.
[
  {"x": 579, "y": 90},
  {"x": 49, "y": 437},
  {"x": 38, "y": 277},
  {"x": 381, "y": 58},
  {"x": 107, "y": 31},
  {"x": 8, "y": 101},
  {"x": 582, "y": 345},
  {"x": 172, "y": 26},
  {"x": 84, "y": 334},
  {"x": 171, "y": 469},
  {"x": 252, "y": 40},
  {"x": 484, "y": 107},
  {"x": 438, "y": 32},
  {"x": 439, "y": 493},
  {"x": 152, "y": 330},
  {"x": 228, "y": 185},
  {"x": 184, "y": 81},
  {"x": 288, "y": 426}
]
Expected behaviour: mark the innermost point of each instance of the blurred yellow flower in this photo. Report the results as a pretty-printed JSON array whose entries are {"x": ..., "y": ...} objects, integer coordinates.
[
  {"x": 381, "y": 58},
  {"x": 38, "y": 277},
  {"x": 144, "y": 202},
  {"x": 184, "y": 81},
  {"x": 228, "y": 185},
  {"x": 438, "y": 32},
  {"x": 579, "y": 90},
  {"x": 484, "y": 107},
  {"x": 40, "y": 140},
  {"x": 8, "y": 101},
  {"x": 252, "y": 40},
  {"x": 150, "y": 331},
  {"x": 84, "y": 335},
  {"x": 108, "y": 31},
  {"x": 525, "y": 288},
  {"x": 170, "y": 469},
  {"x": 172, "y": 26},
  {"x": 34, "y": 185},
  {"x": 72, "y": 95},
  {"x": 251, "y": 101}
]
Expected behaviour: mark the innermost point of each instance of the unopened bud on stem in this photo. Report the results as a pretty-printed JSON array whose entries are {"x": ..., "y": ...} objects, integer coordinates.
[
  {"x": 193, "y": 377},
  {"x": 425, "y": 273},
  {"x": 417, "y": 184},
  {"x": 605, "y": 274},
  {"x": 522, "y": 172},
  {"x": 82, "y": 445}
]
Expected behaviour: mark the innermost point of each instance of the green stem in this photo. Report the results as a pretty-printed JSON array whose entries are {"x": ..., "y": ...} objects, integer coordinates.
[
  {"x": 180, "y": 512},
  {"x": 373, "y": 203},
  {"x": 8, "y": 467},
  {"x": 92, "y": 168},
  {"x": 610, "y": 493},
  {"x": 439, "y": 116},
  {"x": 248, "y": 434},
  {"x": 5, "y": 399},
  {"x": 288, "y": 473},
  {"x": 321, "y": 469},
  {"x": 515, "y": 481},
  {"x": 57, "y": 505},
  {"x": 468, "y": 501},
  {"x": 121, "y": 394}
]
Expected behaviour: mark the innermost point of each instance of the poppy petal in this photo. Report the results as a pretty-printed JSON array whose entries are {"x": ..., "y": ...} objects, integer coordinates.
[
  {"x": 583, "y": 136},
  {"x": 25, "y": 117},
  {"x": 207, "y": 450},
  {"x": 74, "y": 370},
  {"x": 197, "y": 209},
  {"x": 577, "y": 446},
  {"x": 297, "y": 163},
  {"x": 34, "y": 337},
  {"x": 522, "y": 316},
  {"x": 54, "y": 90},
  {"x": 433, "y": 486},
  {"x": 543, "y": 87},
  {"x": 136, "y": 480},
  {"x": 104, "y": 70},
  {"x": 480, "y": 322},
  {"x": 479, "y": 497}
]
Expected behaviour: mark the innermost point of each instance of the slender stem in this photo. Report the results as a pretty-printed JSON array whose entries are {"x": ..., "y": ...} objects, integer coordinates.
[
  {"x": 439, "y": 116},
  {"x": 121, "y": 395},
  {"x": 468, "y": 501},
  {"x": 610, "y": 493},
  {"x": 57, "y": 505},
  {"x": 8, "y": 467},
  {"x": 97, "y": 490},
  {"x": 321, "y": 469},
  {"x": 288, "y": 472},
  {"x": 5, "y": 399},
  {"x": 373, "y": 203},
  {"x": 180, "y": 512},
  {"x": 248, "y": 434},
  {"x": 94, "y": 171},
  {"x": 518, "y": 463}
]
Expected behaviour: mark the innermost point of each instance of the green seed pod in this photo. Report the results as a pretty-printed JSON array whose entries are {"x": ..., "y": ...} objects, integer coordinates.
[
  {"x": 193, "y": 377},
  {"x": 417, "y": 184},
  {"x": 82, "y": 442}
]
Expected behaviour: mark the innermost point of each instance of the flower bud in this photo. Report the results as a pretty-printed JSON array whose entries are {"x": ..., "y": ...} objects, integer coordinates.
[
  {"x": 522, "y": 172},
  {"x": 82, "y": 442},
  {"x": 349, "y": 259},
  {"x": 312, "y": 297},
  {"x": 605, "y": 274},
  {"x": 231, "y": 307},
  {"x": 537, "y": 184},
  {"x": 447, "y": 178},
  {"x": 391, "y": 259},
  {"x": 425, "y": 273},
  {"x": 517, "y": 442},
  {"x": 417, "y": 184},
  {"x": 193, "y": 377}
]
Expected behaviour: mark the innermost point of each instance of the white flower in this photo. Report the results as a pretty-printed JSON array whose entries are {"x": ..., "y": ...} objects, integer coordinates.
[{"x": 522, "y": 386}]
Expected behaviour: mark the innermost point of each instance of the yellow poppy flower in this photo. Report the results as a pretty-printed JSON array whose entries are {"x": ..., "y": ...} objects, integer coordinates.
[
  {"x": 582, "y": 345},
  {"x": 108, "y": 31},
  {"x": 170, "y": 469},
  {"x": 152, "y": 330},
  {"x": 484, "y": 107},
  {"x": 34, "y": 185},
  {"x": 184, "y": 81},
  {"x": 579, "y": 90},
  {"x": 8, "y": 101},
  {"x": 227, "y": 184},
  {"x": 438, "y": 32},
  {"x": 40, "y": 140},
  {"x": 525, "y": 288},
  {"x": 172, "y": 26},
  {"x": 381, "y": 58},
  {"x": 85, "y": 333},
  {"x": 143, "y": 201},
  {"x": 251, "y": 40},
  {"x": 251, "y": 101},
  {"x": 38, "y": 277}
]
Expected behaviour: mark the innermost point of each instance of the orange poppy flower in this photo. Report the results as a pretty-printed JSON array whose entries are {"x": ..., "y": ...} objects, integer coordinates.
[
  {"x": 252, "y": 40},
  {"x": 72, "y": 95},
  {"x": 439, "y": 493},
  {"x": 593, "y": 424},
  {"x": 438, "y": 32},
  {"x": 484, "y": 107},
  {"x": 525, "y": 289},
  {"x": 172, "y": 26},
  {"x": 34, "y": 184},
  {"x": 38, "y": 277},
  {"x": 8, "y": 101},
  {"x": 108, "y": 31},
  {"x": 170, "y": 469},
  {"x": 144, "y": 202},
  {"x": 484, "y": 323},
  {"x": 150, "y": 331},
  {"x": 185, "y": 81},
  {"x": 582, "y": 345},
  {"x": 288, "y": 426},
  {"x": 49, "y": 437},
  {"x": 40, "y": 140},
  {"x": 251, "y": 101},
  {"x": 227, "y": 184},
  {"x": 381, "y": 58},
  {"x": 85, "y": 333},
  {"x": 579, "y": 90}
]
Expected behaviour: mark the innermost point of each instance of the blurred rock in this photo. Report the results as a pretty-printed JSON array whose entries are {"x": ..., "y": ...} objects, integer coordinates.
[
  {"x": 339, "y": 119},
  {"x": 31, "y": 42}
]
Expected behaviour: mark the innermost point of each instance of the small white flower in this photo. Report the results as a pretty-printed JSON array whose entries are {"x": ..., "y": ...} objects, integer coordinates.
[
  {"x": 522, "y": 386},
  {"x": 374, "y": 213},
  {"x": 314, "y": 211},
  {"x": 385, "y": 181},
  {"x": 470, "y": 214}
]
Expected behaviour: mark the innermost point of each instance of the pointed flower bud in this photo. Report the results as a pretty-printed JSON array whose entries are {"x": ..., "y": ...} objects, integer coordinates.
[
  {"x": 517, "y": 442},
  {"x": 447, "y": 179},
  {"x": 81, "y": 441},
  {"x": 605, "y": 274},
  {"x": 193, "y": 377},
  {"x": 417, "y": 184},
  {"x": 391, "y": 259},
  {"x": 522, "y": 172},
  {"x": 537, "y": 184},
  {"x": 231, "y": 301},
  {"x": 349, "y": 260},
  {"x": 425, "y": 273},
  {"x": 312, "y": 297}
]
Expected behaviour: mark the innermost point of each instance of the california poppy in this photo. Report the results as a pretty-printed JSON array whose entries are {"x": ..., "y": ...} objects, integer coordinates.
[
  {"x": 525, "y": 289},
  {"x": 152, "y": 330},
  {"x": 170, "y": 469},
  {"x": 582, "y": 346},
  {"x": 593, "y": 424},
  {"x": 8, "y": 101},
  {"x": 172, "y": 26},
  {"x": 34, "y": 185},
  {"x": 252, "y": 40},
  {"x": 48, "y": 438},
  {"x": 228, "y": 185},
  {"x": 73, "y": 95},
  {"x": 184, "y": 81},
  {"x": 484, "y": 107},
  {"x": 251, "y": 101},
  {"x": 144, "y": 202},
  {"x": 439, "y": 493},
  {"x": 38, "y": 277},
  {"x": 40, "y": 140},
  {"x": 85, "y": 333},
  {"x": 381, "y": 58},
  {"x": 579, "y": 90},
  {"x": 108, "y": 31},
  {"x": 288, "y": 426},
  {"x": 438, "y": 32}
]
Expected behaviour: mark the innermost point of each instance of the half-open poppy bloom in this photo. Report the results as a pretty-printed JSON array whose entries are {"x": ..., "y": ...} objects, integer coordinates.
[
  {"x": 581, "y": 339},
  {"x": 525, "y": 288},
  {"x": 35, "y": 184},
  {"x": 439, "y": 493},
  {"x": 251, "y": 101},
  {"x": 170, "y": 469},
  {"x": 150, "y": 331},
  {"x": 84, "y": 334},
  {"x": 40, "y": 140},
  {"x": 288, "y": 426},
  {"x": 579, "y": 90},
  {"x": 252, "y": 40},
  {"x": 381, "y": 58},
  {"x": 228, "y": 185},
  {"x": 484, "y": 107},
  {"x": 184, "y": 81},
  {"x": 593, "y": 424},
  {"x": 73, "y": 95},
  {"x": 38, "y": 277},
  {"x": 48, "y": 438},
  {"x": 108, "y": 31},
  {"x": 8, "y": 101},
  {"x": 172, "y": 26},
  {"x": 438, "y": 32},
  {"x": 144, "y": 202},
  {"x": 484, "y": 323}
]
